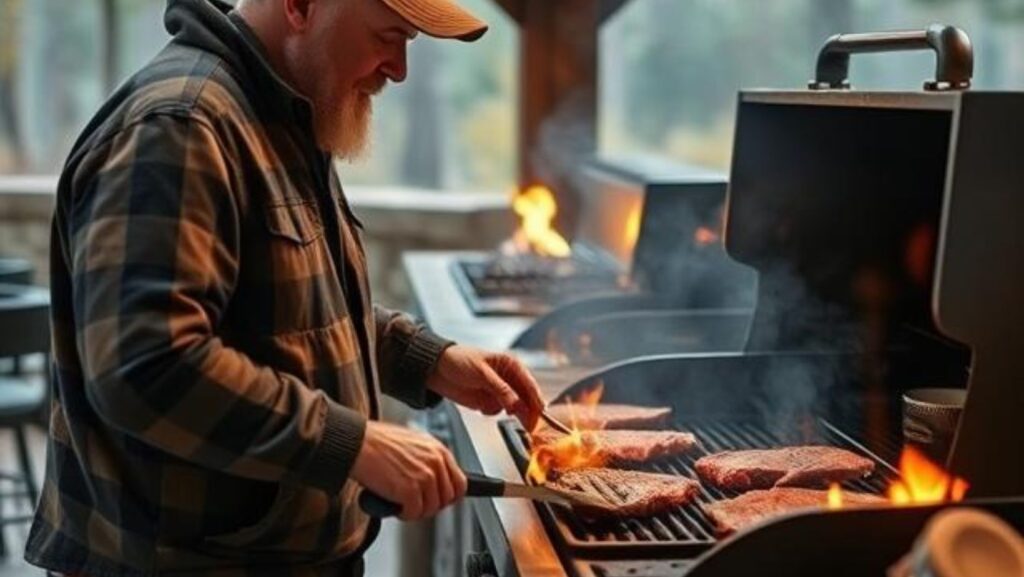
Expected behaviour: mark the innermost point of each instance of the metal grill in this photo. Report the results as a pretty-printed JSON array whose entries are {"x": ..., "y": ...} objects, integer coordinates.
[
  {"x": 531, "y": 284},
  {"x": 685, "y": 531}
]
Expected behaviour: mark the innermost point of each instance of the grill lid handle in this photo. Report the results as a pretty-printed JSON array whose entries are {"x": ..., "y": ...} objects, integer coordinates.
[{"x": 954, "y": 56}]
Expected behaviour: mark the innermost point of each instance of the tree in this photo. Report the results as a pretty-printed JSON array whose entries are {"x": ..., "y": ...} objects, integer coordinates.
[{"x": 10, "y": 10}]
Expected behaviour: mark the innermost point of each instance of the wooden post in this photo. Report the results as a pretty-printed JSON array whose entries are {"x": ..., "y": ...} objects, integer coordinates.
[{"x": 558, "y": 92}]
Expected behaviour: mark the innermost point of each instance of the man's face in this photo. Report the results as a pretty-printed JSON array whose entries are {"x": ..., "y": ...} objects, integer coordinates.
[{"x": 346, "y": 55}]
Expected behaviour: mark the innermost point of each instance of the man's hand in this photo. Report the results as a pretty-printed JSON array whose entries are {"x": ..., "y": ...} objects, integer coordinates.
[
  {"x": 487, "y": 382},
  {"x": 410, "y": 468}
]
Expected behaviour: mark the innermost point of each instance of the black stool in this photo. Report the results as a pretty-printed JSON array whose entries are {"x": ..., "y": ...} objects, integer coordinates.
[
  {"x": 16, "y": 271},
  {"x": 24, "y": 330}
]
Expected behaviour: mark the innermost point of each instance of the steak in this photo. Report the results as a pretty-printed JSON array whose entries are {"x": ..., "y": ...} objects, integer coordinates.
[
  {"x": 807, "y": 466},
  {"x": 621, "y": 446},
  {"x": 611, "y": 416},
  {"x": 630, "y": 493},
  {"x": 750, "y": 508}
]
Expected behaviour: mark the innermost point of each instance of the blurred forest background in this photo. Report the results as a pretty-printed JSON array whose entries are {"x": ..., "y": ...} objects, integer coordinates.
[{"x": 669, "y": 71}]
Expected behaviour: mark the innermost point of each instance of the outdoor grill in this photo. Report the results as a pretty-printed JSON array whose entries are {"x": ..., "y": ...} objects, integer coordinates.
[
  {"x": 611, "y": 264},
  {"x": 884, "y": 228},
  {"x": 689, "y": 295}
]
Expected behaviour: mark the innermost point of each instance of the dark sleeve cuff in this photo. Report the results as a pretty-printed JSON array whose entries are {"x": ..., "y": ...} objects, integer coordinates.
[
  {"x": 342, "y": 439},
  {"x": 424, "y": 351}
]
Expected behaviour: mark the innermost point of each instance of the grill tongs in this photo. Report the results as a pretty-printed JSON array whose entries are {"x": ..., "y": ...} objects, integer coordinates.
[{"x": 484, "y": 486}]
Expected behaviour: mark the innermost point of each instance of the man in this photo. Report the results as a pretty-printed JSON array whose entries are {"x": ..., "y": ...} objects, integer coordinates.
[{"x": 217, "y": 357}]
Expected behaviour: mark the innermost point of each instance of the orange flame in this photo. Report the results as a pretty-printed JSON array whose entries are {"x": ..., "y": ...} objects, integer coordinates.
[
  {"x": 632, "y": 232},
  {"x": 835, "y": 496},
  {"x": 536, "y": 209},
  {"x": 572, "y": 451},
  {"x": 924, "y": 482},
  {"x": 705, "y": 236},
  {"x": 590, "y": 398}
]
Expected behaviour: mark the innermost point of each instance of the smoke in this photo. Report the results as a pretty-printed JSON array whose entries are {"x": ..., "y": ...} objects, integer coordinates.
[
  {"x": 820, "y": 341},
  {"x": 565, "y": 140}
]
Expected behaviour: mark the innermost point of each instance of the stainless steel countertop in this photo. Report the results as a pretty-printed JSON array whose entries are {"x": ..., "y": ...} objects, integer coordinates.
[{"x": 512, "y": 529}]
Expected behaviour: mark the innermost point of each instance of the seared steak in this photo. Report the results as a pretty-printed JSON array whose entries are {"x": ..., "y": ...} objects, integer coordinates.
[
  {"x": 622, "y": 447},
  {"x": 809, "y": 466},
  {"x": 630, "y": 493},
  {"x": 750, "y": 508},
  {"x": 611, "y": 416}
]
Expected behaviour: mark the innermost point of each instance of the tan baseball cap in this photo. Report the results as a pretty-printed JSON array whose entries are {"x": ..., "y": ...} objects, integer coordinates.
[{"x": 440, "y": 18}]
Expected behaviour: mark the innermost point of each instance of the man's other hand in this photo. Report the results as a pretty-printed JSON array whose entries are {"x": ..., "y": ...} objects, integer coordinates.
[
  {"x": 488, "y": 382},
  {"x": 410, "y": 468}
]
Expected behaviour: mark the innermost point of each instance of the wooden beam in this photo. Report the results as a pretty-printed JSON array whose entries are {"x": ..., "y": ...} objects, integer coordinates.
[
  {"x": 558, "y": 98},
  {"x": 558, "y": 92},
  {"x": 515, "y": 9}
]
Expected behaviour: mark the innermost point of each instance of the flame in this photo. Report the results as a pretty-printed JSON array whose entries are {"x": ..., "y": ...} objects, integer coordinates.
[
  {"x": 572, "y": 451},
  {"x": 590, "y": 398},
  {"x": 705, "y": 236},
  {"x": 632, "y": 232},
  {"x": 924, "y": 482},
  {"x": 835, "y": 496},
  {"x": 536, "y": 209}
]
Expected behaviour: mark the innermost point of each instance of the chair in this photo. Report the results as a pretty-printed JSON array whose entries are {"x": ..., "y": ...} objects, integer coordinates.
[
  {"x": 16, "y": 271},
  {"x": 24, "y": 330}
]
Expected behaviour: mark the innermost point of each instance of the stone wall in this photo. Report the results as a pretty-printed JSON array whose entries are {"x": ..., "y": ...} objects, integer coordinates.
[
  {"x": 26, "y": 206},
  {"x": 395, "y": 219}
]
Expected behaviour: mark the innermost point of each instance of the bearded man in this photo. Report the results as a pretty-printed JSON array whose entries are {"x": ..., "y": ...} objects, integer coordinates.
[{"x": 217, "y": 356}]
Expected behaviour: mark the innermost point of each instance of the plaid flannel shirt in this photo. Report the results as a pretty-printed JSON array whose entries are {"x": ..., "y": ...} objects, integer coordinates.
[{"x": 216, "y": 351}]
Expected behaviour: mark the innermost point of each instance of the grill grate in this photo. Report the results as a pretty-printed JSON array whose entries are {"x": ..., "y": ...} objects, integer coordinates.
[
  {"x": 537, "y": 276},
  {"x": 685, "y": 530}
]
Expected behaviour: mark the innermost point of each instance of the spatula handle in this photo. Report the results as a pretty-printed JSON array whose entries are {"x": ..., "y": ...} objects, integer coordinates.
[{"x": 478, "y": 485}]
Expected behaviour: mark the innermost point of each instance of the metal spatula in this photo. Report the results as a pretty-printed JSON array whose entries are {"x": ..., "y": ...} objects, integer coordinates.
[
  {"x": 484, "y": 486},
  {"x": 554, "y": 423}
]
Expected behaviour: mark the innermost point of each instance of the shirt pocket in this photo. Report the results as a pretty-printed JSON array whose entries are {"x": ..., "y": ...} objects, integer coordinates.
[
  {"x": 292, "y": 284},
  {"x": 294, "y": 220}
]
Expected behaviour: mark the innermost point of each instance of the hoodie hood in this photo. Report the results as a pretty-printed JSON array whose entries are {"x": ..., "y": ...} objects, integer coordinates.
[{"x": 213, "y": 26}]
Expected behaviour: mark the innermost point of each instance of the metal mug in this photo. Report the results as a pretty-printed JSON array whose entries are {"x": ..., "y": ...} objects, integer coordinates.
[{"x": 930, "y": 419}]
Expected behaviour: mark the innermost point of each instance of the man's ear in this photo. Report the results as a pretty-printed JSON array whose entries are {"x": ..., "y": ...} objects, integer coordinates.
[{"x": 299, "y": 13}]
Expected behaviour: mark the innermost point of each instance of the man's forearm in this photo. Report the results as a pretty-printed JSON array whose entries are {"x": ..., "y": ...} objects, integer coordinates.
[{"x": 407, "y": 353}]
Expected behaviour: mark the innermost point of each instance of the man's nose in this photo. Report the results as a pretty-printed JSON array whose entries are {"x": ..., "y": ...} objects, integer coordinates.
[{"x": 396, "y": 65}]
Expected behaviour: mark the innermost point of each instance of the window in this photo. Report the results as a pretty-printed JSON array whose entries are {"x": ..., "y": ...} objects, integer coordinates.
[
  {"x": 50, "y": 80},
  {"x": 670, "y": 69},
  {"x": 450, "y": 125}
]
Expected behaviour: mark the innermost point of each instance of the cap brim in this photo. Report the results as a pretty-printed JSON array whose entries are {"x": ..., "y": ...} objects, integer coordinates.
[{"x": 440, "y": 18}]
